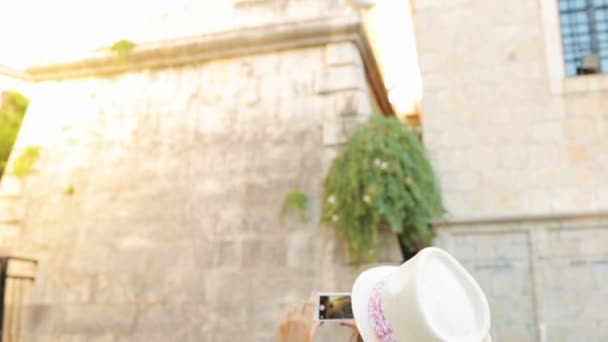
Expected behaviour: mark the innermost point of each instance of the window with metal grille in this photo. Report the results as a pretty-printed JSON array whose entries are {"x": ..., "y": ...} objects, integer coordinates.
[{"x": 584, "y": 27}]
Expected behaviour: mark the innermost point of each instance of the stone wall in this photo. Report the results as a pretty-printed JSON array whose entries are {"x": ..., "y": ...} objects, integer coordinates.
[
  {"x": 502, "y": 141},
  {"x": 154, "y": 209},
  {"x": 522, "y": 163},
  {"x": 544, "y": 277}
]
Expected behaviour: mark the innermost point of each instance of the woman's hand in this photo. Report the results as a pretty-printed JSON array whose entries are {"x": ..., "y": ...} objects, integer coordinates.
[
  {"x": 298, "y": 325},
  {"x": 355, "y": 337}
]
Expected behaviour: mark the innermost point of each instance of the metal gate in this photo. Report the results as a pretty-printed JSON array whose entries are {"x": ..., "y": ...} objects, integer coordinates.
[{"x": 16, "y": 281}]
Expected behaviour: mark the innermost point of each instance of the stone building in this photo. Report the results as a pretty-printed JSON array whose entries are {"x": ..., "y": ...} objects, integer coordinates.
[
  {"x": 153, "y": 210},
  {"x": 521, "y": 143},
  {"x": 154, "y": 207}
]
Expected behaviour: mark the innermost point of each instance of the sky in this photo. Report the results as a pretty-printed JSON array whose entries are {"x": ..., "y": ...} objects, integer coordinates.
[
  {"x": 34, "y": 32},
  {"x": 40, "y": 31}
]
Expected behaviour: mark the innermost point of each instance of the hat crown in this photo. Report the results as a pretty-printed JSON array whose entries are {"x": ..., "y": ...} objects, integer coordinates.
[{"x": 433, "y": 298}]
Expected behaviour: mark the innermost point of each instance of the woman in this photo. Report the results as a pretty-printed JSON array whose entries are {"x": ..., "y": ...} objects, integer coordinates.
[{"x": 431, "y": 297}]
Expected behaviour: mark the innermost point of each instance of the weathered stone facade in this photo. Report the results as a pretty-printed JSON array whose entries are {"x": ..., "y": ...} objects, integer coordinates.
[
  {"x": 522, "y": 161},
  {"x": 154, "y": 208}
]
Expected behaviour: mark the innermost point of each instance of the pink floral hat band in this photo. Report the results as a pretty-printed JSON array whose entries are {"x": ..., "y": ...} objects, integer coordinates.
[{"x": 378, "y": 321}]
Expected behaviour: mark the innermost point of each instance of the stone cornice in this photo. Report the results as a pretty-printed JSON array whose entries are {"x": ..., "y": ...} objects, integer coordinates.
[
  {"x": 234, "y": 43},
  {"x": 14, "y": 73}
]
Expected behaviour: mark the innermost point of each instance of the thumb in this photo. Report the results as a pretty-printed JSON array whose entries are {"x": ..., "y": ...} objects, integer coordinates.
[
  {"x": 316, "y": 327},
  {"x": 349, "y": 325}
]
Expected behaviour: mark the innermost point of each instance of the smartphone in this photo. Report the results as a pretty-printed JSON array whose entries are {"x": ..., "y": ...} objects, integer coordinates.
[{"x": 334, "y": 307}]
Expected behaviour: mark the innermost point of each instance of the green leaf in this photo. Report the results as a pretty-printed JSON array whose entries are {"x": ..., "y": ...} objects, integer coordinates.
[
  {"x": 296, "y": 200},
  {"x": 123, "y": 49}
]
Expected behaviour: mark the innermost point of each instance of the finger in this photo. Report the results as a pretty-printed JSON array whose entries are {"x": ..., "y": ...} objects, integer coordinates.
[
  {"x": 349, "y": 324},
  {"x": 294, "y": 311},
  {"x": 313, "y": 296},
  {"x": 315, "y": 328},
  {"x": 308, "y": 308},
  {"x": 310, "y": 304}
]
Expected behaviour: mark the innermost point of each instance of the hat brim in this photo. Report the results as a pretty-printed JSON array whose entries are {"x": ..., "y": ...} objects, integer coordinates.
[{"x": 360, "y": 294}]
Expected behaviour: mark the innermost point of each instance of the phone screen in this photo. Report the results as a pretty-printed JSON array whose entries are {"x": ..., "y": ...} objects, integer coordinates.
[{"x": 335, "y": 307}]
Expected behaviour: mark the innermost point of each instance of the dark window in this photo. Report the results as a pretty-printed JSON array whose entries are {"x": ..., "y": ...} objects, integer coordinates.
[{"x": 584, "y": 27}]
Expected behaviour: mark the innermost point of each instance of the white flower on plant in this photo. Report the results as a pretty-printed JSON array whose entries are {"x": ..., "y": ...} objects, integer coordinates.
[
  {"x": 331, "y": 199},
  {"x": 384, "y": 165},
  {"x": 377, "y": 162},
  {"x": 366, "y": 199},
  {"x": 335, "y": 218}
]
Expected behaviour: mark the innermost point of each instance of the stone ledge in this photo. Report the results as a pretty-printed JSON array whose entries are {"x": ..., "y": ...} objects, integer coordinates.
[
  {"x": 249, "y": 41},
  {"x": 601, "y": 215}
]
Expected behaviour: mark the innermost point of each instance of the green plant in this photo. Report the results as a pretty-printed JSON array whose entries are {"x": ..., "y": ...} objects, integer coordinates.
[
  {"x": 297, "y": 200},
  {"x": 123, "y": 49},
  {"x": 69, "y": 190},
  {"x": 22, "y": 166},
  {"x": 12, "y": 111},
  {"x": 382, "y": 177}
]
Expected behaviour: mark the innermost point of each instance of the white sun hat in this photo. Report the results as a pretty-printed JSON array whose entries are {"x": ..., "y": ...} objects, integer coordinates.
[{"x": 431, "y": 297}]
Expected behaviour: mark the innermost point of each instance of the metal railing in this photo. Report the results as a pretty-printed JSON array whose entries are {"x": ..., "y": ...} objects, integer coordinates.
[{"x": 16, "y": 282}]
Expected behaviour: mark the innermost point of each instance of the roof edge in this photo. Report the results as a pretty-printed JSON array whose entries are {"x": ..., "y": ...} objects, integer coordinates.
[{"x": 230, "y": 44}]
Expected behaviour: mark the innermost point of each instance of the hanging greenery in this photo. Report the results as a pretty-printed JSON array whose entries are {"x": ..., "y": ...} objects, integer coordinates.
[
  {"x": 382, "y": 177},
  {"x": 12, "y": 111},
  {"x": 24, "y": 163},
  {"x": 296, "y": 200}
]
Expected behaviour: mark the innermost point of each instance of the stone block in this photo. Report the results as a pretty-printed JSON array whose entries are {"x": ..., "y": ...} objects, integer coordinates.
[
  {"x": 340, "y": 78},
  {"x": 570, "y": 198},
  {"x": 545, "y": 155},
  {"x": 576, "y": 154},
  {"x": 11, "y": 209},
  {"x": 169, "y": 318},
  {"x": 312, "y": 247},
  {"x": 67, "y": 287},
  {"x": 238, "y": 286},
  {"x": 212, "y": 120},
  {"x": 8, "y": 232},
  {"x": 455, "y": 137},
  {"x": 86, "y": 338},
  {"x": 59, "y": 320},
  {"x": 509, "y": 133},
  {"x": 483, "y": 158},
  {"x": 336, "y": 132},
  {"x": 342, "y": 54},
  {"x": 114, "y": 288},
  {"x": 302, "y": 61},
  {"x": 226, "y": 253},
  {"x": 352, "y": 103},
  {"x": 521, "y": 333},
  {"x": 579, "y": 130},
  {"x": 94, "y": 319},
  {"x": 10, "y": 186},
  {"x": 265, "y": 253},
  {"x": 544, "y": 132},
  {"x": 514, "y": 156},
  {"x": 460, "y": 181}
]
